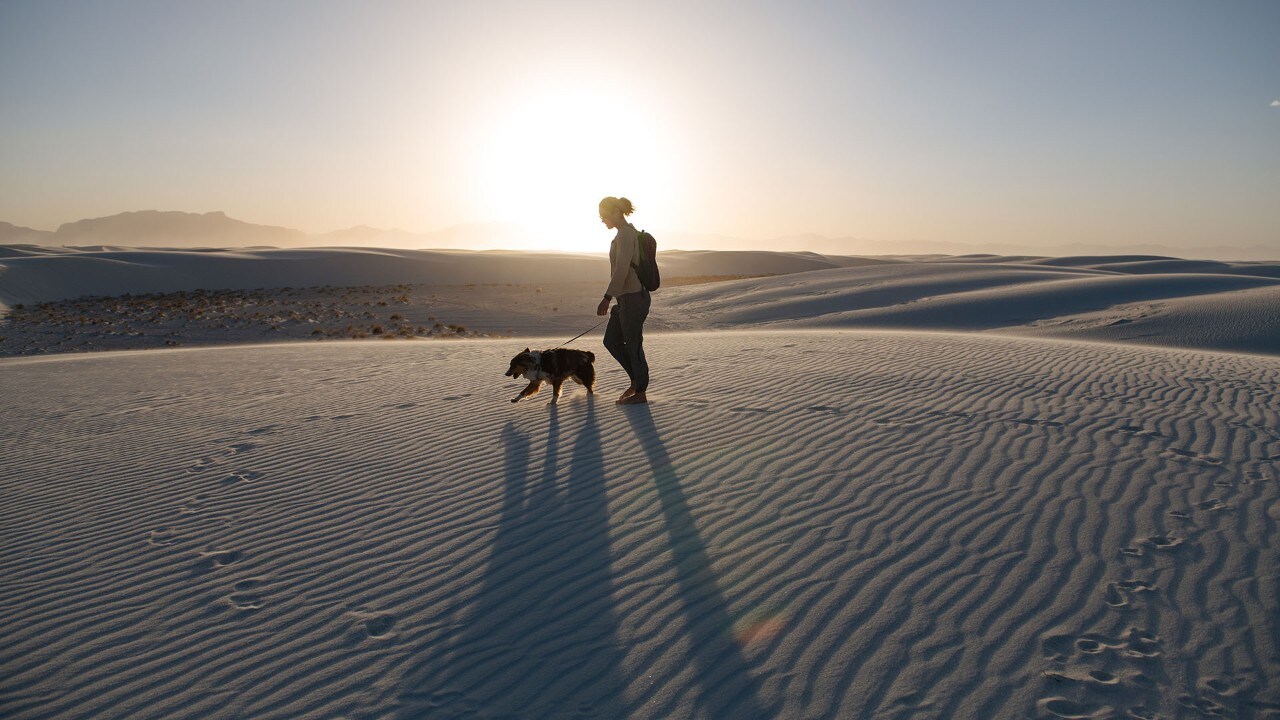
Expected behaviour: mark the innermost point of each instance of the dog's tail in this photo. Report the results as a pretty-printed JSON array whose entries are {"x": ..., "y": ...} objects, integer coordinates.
[{"x": 591, "y": 357}]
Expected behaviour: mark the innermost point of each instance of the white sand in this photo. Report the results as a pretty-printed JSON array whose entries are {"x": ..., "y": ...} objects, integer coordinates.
[{"x": 804, "y": 524}]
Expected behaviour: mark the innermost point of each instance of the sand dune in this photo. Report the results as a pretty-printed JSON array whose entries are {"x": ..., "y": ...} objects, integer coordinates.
[
  {"x": 1235, "y": 312},
  {"x": 30, "y": 275},
  {"x": 1142, "y": 299},
  {"x": 850, "y": 524}
]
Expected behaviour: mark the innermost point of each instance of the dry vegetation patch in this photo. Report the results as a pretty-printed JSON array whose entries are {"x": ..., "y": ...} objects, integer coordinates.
[{"x": 209, "y": 317}]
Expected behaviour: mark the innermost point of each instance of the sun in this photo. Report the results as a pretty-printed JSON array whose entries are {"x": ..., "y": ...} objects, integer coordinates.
[{"x": 546, "y": 159}]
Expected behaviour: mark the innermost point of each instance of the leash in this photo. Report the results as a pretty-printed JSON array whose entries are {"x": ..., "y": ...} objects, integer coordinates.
[{"x": 584, "y": 332}]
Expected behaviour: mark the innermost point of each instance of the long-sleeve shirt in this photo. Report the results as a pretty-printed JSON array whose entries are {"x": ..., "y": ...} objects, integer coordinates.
[{"x": 621, "y": 254}]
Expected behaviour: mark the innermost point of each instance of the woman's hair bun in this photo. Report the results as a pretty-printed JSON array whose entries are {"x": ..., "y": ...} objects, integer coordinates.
[{"x": 623, "y": 205}]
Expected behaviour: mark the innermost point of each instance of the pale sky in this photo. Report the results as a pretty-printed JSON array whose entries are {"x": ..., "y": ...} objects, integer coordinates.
[{"x": 1032, "y": 122}]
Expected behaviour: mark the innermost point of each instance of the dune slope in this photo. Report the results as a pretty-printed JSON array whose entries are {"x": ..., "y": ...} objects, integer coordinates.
[
  {"x": 844, "y": 524},
  {"x": 1236, "y": 312}
]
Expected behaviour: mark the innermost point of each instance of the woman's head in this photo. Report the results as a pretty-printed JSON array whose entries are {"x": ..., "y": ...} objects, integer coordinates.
[{"x": 613, "y": 210}]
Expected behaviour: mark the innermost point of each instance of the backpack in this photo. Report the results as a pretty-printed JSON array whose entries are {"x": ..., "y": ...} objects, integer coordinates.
[{"x": 647, "y": 270}]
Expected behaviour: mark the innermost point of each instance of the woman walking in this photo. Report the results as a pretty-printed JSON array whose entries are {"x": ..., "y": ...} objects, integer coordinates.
[{"x": 624, "y": 336}]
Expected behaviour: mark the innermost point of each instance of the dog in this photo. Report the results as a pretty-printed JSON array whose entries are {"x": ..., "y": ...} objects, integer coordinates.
[{"x": 553, "y": 366}]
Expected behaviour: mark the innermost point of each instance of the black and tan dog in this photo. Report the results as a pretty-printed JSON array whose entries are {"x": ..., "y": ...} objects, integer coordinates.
[{"x": 553, "y": 366}]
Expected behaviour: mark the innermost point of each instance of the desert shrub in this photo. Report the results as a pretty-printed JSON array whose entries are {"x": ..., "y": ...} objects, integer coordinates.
[
  {"x": 376, "y": 329},
  {"x": 397, "y": 316}
]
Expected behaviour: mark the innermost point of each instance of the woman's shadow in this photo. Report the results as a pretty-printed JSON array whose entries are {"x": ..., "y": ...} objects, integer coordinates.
[
  {"x": 728, "y": 688},
  {"x": 539, "y": 636}
]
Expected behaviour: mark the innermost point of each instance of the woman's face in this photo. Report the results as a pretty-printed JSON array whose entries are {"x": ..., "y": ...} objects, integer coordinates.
[{"x": 612, "y": 219}]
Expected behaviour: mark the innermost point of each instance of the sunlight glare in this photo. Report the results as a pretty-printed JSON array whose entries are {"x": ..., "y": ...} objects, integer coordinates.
[{"x": 547, "y": 160}]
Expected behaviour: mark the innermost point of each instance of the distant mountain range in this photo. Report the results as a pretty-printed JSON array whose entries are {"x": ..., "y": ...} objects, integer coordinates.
[
  {"x": 169, "y": 229},
  {"x": 153, "y": 228}
]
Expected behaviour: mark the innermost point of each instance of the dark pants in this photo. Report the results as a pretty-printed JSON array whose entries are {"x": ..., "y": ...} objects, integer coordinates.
[{"x": 624, "y": 336}]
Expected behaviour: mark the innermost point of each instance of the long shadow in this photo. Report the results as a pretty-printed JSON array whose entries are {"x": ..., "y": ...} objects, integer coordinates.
[
  {"x": 539, "y": 638},
  {"x": 729, "y": 689}
]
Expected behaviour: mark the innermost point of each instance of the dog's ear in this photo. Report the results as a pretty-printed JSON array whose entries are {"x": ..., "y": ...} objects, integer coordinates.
[{"x": 526, "y": 349}]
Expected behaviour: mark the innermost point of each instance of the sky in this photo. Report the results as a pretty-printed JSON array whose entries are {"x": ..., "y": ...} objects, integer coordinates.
[{"x": 905, "y": 121}]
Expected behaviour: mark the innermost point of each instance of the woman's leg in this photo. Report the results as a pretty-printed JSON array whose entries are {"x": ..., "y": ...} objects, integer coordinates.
[
  {"x": 634, "y": 309},
  {"x": 614, "y": 343}
]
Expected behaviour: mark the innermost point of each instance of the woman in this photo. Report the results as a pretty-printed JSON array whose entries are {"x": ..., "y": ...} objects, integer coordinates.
[{"x": 624, "y": 336}]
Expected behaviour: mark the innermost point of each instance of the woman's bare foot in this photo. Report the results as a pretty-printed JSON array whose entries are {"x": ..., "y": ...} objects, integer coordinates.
[
  {"x": 627, "y": 393},
  {"x": 633, "y": 399}
]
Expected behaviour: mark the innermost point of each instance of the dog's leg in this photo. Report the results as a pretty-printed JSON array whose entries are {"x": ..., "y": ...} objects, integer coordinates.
[
  {"x": 586, "y": 376},
  {"x": 555, "y": 389},
  {"x": 532, "y": 389}
]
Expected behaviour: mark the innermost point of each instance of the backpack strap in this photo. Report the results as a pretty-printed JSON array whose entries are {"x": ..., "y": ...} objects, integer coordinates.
[{"x": 639, "y": 249}]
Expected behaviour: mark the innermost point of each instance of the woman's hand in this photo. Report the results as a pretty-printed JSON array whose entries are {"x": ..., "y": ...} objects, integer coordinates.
[{"x": 603, "y": 309}]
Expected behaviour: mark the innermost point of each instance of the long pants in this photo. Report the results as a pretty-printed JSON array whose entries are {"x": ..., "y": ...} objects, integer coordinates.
[{"x": 624, "y": 336}]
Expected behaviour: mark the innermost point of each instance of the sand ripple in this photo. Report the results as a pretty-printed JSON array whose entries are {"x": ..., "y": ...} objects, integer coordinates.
[{"x": 835, "y": 524}]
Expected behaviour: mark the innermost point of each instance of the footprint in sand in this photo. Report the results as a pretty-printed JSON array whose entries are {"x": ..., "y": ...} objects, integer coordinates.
[
  {"x": 1202, "y": 705},
  {"x": 1136, "y": 644},
  {"x": 1140, "y": 644},
  {"x": 241, "y": 476},
  {"x": 1155, "y": 543},
  {"x": 379, "y": 627},
  {"x": 214, "y": 559},
  {"x": 245, "y": 596},
  {"x": 267, "y": 430},
  {"x": 1123, "y": 594},
  {"x": 1063, "y": 708},
  {"x": 200, "y": 465},
  {"x": 242, "y": 448},
  {"x": 1062, "y": 647},
  {"x": 193, "y": 505},
  {"x": 375, "y": 625}
]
